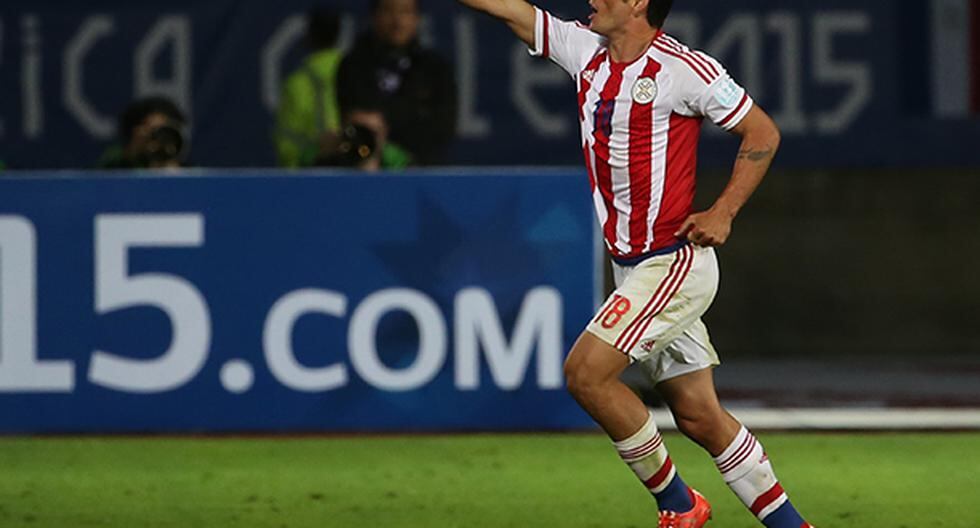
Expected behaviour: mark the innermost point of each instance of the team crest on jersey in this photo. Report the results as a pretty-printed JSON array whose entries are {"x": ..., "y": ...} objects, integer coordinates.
[{"x": 644, "y": 90}]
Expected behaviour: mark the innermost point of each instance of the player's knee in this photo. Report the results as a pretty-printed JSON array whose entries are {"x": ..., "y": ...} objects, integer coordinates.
[
  {"x": 700, "y": 425},
  {"x": 580, "y": 380},
  {"x": 576, "y": 376},
  {"x": 591, "y": 368}
]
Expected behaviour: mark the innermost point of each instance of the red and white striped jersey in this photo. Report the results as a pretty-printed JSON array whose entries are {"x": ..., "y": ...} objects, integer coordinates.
[{"x": 641, "y": 123}]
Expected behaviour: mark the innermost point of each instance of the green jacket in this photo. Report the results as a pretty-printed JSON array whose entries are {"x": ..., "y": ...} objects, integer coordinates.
[{"x": 307, "y": 108}]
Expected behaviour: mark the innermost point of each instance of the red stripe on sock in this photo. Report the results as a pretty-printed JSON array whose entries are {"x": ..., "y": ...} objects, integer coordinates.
[
  {"x": 645, "y": 453},
  {"x": 740, "y": 446},
  {"x": 660, "y": 476},
  {"x": 735, "y": 458},
  {"x": 741, "y": 457},
  {"x": 766, "y": 499},
  {"x": 648, "y": 447}
]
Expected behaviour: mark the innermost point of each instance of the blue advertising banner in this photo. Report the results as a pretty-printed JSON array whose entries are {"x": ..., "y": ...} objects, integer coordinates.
[
  {"x": 853, "y": 83},
  {"x": 284, "y": 302}
]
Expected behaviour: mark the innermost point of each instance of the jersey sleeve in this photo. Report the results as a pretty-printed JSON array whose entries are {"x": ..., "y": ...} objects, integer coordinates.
[
  {"x": 708, "y": 90},
  {"x": 568, "y": 44}
]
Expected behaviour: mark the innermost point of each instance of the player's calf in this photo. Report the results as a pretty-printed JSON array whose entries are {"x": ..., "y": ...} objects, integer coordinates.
[
  {"x": 592, "y": 373},
  {"x": 746, "y": 469},
  {"x": 710, "y": 427},
  {"x": 645, "y": 453}
]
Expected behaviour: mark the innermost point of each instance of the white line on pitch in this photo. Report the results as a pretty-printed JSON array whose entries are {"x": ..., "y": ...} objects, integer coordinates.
[{"x": 848, "y": 418}]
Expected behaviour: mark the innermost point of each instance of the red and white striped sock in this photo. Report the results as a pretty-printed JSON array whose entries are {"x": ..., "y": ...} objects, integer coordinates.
[
  {"x": 646, "y": 455},
  {"x": 747, "y": 471}
]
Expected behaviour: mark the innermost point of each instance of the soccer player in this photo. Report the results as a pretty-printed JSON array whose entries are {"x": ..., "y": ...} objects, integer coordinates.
[{"x": 641, "y": 98}]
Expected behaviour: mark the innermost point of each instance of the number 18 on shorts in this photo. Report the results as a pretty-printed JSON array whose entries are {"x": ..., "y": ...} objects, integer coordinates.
[{"x": 654, "y": 315}]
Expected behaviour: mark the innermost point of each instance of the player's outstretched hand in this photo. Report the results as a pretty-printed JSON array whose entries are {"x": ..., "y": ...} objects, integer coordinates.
[{"x": 708, "y": 228}]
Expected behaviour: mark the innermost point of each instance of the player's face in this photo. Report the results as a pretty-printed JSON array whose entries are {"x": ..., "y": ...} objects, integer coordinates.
[
  {"x": 609, "y": 15},
  {"x": 397, "y": 21}
]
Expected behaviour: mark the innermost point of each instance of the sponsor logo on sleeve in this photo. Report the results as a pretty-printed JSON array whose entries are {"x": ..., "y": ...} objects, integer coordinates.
[{"x": 727, "y": 94}]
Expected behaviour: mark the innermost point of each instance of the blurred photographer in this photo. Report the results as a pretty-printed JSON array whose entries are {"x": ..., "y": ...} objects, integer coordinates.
[
  {"x": 415, "y": 84},
  {"x": 308, "y": 108},
  {"x": 362, "y": 143},
  {"x": 151, "y": 135}
]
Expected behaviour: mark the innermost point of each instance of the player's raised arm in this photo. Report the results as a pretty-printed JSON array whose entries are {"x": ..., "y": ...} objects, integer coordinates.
[{"x": 518, "y": 14}]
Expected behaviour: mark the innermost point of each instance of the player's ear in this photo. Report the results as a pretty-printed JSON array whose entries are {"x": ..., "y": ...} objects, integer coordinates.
[{"x": 640, "y": 8}]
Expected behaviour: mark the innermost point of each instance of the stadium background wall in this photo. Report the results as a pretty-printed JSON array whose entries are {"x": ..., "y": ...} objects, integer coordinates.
[
  {"x": 261, "y": 300},
  {"x": 271, "y": 301},
  {"x": 871, "y": 265},
  {"x": 853, "y": 83},
  {"x": 854, "y": 265}
]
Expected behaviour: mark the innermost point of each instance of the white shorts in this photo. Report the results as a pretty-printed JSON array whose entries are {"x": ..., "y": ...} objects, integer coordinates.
[{"x": 654, "y": 316}]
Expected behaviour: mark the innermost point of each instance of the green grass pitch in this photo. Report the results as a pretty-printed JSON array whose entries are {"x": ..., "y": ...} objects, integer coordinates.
[{"x": 560, "y": 480}]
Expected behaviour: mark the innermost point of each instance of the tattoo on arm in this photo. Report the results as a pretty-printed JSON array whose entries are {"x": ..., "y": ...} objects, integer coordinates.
[{"x": 755, "y": 155}]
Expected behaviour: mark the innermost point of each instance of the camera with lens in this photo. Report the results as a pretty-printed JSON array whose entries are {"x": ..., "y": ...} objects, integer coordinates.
[
  {"x": 164, "y": 146},
  {"x": 152, "y": 134},
  {"x": 352, "y": 146}
]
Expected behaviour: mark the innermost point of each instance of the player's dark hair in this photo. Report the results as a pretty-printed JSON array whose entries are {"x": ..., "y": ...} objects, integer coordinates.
[
  {"x": 136, "y": 112},
  {"x": 657, "y": 11},
  {"x": 322, "y": 28}
]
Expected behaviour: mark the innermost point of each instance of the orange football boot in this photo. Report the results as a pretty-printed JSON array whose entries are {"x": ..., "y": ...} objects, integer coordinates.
[{"x": 696, "y": 517}]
